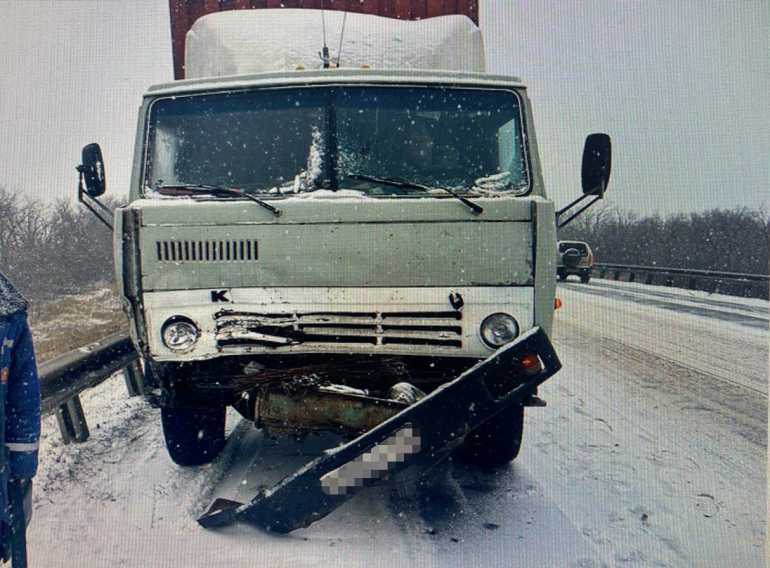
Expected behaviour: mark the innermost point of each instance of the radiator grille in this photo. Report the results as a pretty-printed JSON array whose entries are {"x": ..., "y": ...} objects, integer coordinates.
[
  {"x": 207, "y": 251},
  {"x": 441, "y": 329}
]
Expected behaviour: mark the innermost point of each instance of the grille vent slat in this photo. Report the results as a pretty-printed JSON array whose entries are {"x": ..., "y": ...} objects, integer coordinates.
[
  {"x": 240, "y": 250},
  {"x": 441, "y": 329}
]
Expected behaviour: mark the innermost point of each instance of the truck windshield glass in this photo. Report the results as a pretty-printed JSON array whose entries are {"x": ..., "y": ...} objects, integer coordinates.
[{"x": 299, "y": 140}]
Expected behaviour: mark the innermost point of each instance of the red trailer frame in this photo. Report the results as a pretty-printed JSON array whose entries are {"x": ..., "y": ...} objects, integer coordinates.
[{"x": 185, "y": 12}]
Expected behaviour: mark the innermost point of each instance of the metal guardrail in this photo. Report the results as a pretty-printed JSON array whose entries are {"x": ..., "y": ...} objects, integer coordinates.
[
  {"x": 730, "y": 283},
  {"x": 63, "y": 379}
]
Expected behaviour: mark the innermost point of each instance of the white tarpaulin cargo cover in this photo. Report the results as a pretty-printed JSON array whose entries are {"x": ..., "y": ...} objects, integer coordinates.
[{"x": 241, "y": 42}]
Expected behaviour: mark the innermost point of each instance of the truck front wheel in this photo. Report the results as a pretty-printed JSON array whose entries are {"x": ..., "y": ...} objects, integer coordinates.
[
  {"x": 194, "y": 436},
  {"x": 498, "y": 440}
]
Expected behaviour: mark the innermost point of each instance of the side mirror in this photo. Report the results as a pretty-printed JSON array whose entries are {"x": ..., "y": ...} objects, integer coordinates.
[
  {"x": 92, "y": 175},
  {"x": 92, "y": 170},
  {"x": 597, "y": 163},
  {"x": 595, "y": 175}
]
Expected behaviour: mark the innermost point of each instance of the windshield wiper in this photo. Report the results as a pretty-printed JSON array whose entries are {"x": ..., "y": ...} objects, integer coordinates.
[
  {"x": 406, "y": 184},
  {"x": 216, "y": 191}
]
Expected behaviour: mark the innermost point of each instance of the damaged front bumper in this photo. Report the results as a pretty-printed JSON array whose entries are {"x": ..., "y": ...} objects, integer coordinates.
[{"x": 421, "y": 434}]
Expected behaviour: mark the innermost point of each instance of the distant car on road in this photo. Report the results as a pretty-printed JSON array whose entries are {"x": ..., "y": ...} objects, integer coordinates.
[{"x": 576, "y": 258}]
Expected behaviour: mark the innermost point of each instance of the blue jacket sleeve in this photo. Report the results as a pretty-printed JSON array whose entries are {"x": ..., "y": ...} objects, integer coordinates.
[{"x": 22, "y": 419}]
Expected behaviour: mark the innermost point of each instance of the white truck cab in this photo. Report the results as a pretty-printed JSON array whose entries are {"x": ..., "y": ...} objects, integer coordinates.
[{"x": 286, "y": 220}]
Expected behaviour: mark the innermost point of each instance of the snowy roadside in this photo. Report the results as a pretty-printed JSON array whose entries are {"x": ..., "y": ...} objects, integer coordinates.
[
  {"x": 721, "y": 336},
  {"x": 68, "y": 323},
  {"x": 661, "y": 423},
  {"x": 117, "y": 500}
]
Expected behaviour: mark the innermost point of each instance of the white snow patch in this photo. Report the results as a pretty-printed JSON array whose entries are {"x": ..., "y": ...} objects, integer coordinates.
[
  {"x": 257, "y": 41},
  {"x": 342, "y": 194}
]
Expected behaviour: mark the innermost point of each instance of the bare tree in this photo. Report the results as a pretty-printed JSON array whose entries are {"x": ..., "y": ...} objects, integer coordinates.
[
  {"x": 734, "y": 240},
  {"x": 50, "y": 251}
]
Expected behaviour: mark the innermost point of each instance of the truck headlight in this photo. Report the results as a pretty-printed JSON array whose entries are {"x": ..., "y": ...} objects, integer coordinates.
[
  {"x": 499, "y": 329},
  {"x": 180, "y": 333}
]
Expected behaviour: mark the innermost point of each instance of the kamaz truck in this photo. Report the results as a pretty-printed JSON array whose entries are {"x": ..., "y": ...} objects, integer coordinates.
[{"x": 331, "y": 217}]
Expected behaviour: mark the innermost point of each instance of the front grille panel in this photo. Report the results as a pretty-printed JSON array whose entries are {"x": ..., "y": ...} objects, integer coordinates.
[
  {"x": 442, "y": 329},
  {"x": 207, "y": 251}
]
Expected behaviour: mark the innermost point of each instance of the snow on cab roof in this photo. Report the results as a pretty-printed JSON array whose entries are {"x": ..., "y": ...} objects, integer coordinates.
[{"x": 242, "y": 42}]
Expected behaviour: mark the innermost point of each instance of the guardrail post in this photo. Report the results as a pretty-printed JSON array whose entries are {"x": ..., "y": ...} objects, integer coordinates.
[
  {"x": 72, "y": 421},
  {"x": 134, "y": 377}
]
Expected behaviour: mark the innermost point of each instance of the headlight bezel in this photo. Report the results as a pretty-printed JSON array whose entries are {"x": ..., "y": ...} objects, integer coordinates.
[
  {"x": 180, "y": 324},
  {"x": 498, "y": 318}
]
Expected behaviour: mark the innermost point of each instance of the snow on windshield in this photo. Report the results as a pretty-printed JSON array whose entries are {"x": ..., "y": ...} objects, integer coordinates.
[{"x": 303, "y": 140}]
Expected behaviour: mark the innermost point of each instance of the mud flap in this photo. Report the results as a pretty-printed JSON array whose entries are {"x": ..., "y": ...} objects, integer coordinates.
[{"x": 421, "y": 435}]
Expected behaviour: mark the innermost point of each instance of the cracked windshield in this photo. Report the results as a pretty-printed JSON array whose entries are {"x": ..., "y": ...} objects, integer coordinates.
[{"x": 291, "y": 141}]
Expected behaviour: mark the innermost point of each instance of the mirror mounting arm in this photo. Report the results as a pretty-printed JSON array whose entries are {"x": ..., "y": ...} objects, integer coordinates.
[
  {"x": 82, "y": 194},
  {"x": 597, "y": 195}
]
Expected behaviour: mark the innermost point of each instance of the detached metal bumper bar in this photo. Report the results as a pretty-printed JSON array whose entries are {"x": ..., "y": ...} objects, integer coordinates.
[{"x": 422, "y": 435}]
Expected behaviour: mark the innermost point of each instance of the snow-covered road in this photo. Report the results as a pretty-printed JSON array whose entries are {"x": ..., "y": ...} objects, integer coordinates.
[{"x": 651, "y": 452}]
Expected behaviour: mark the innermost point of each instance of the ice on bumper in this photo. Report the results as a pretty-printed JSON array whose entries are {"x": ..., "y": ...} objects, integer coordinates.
[{"x": 372, "y": 464}]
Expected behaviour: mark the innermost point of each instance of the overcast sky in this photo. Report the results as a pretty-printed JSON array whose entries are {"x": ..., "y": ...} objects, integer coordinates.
[{"x": 681, "y": 86}]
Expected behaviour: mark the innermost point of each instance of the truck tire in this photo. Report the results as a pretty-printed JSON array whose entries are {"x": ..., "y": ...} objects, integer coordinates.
[
  {"x": 194, "y": 436},
  {"x": 497, "y": 441},
  {"x": 584, "y": 278}
]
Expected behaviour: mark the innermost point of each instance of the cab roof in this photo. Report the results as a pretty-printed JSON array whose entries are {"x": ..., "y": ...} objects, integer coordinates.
[{"x": 322, "y": 77}]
